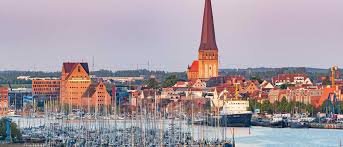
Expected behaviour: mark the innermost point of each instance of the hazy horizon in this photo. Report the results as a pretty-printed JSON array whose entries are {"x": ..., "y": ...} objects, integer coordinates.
[
  {"x": 170, "y": 71},
  {"x": 40, "y": 35}
]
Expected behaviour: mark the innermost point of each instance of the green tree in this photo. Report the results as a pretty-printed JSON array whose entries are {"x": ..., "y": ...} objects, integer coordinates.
[
  {"x": 276, "y": 106},
  {"x": 290, "y": 106},
  {"x": 267, "y": 107},
  {"x": 283, "y": 104},
  {"x": 152, "y": 83},
  {"x": 284, "y": 86},
  {"x": 256, "y": 78},
  {"x": 170, "y": 81},
  {"x": 15, "y": 132},
  {"x": 253, "y": 104},
  {"x": 309, "y": 108}
]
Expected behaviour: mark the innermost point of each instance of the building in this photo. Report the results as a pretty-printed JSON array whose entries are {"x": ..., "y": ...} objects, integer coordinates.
[
  {"x": 3, "y": 101},
  {"x": 96, "y": 98},
  {"x": 206, "y": 66},
  {"x": 47, "y": 89},
  {"x": 78, "y": 91},
  {"x": 16, "y": 98},
  {"x": 294, "y": 79},
  {"x": 250, "y": 87}
]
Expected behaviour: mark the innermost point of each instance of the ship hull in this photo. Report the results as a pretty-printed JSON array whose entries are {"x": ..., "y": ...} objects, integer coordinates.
[{"x": 232, "y": 120}]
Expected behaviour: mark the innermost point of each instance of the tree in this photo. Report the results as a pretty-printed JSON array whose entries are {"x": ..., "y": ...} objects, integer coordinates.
[
  {"x": 152, "y": 83},
  {"x": 309, "y": 108},
  {"x": 170, "y": 81},
  {"x": 253, "y": 105},
  {"x": 267, "y": 107},
  {"x": 283, "y": 104},
  {"x": 256, "y": 78},
  {"x": 15, "y": 132},
  {"x": 284, "y": 86},
  {"x": 276, "y": 106},
  {"x": 290, "y": 106}
]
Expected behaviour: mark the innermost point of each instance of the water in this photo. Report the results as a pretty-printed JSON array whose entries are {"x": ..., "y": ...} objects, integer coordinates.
[{"x": 257, "y": 136}]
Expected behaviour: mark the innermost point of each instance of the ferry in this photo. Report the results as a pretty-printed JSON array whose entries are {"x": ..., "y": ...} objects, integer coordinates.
[{"x": 235, "y": 114}]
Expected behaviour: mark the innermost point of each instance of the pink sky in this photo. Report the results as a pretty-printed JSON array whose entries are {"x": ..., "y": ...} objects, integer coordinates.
[{"x": 166, "y": 33}]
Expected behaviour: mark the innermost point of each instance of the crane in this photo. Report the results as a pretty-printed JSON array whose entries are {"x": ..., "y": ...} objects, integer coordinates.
[
  {"x": 9, "y": 85},
  {"x": 333, "y": 75},
  {"x": 332, "y": 105}
]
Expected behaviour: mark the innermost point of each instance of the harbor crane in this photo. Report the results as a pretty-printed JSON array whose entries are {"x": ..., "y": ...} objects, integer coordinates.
[
  {"x": 334, "y": 69},
  {"x": 332, "y": 105}
]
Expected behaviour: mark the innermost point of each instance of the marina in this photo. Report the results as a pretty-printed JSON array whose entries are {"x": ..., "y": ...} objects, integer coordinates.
[{"x": 112, "y": 132}]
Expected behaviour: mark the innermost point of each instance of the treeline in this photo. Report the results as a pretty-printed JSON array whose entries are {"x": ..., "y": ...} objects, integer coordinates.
[
  {"x": 11, "y": 76},
  {"x": 284, "y": 106},
  {"x": 268, "y": 73},
  {"x": 159, "y": 75},
  {"x": 249, "y": 73}
]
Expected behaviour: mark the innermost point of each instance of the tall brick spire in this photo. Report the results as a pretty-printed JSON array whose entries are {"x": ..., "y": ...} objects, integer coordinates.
[{"x": 208, "y": 38}]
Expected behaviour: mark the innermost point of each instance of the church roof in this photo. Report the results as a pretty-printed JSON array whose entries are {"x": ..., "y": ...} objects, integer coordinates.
[
  {"x": 208, "y": 39},
  {"x": 194, "y": 66}
]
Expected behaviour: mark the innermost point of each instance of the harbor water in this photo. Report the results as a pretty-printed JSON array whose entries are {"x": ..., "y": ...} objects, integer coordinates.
[{"x": 244, "y": 137}]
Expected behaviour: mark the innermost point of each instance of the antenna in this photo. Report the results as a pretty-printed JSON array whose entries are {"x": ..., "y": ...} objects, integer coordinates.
[{"x": 93, "y": 63}]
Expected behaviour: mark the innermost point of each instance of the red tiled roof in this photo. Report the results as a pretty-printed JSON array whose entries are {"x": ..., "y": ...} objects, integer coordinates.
[{"x": 194, "y": 66}]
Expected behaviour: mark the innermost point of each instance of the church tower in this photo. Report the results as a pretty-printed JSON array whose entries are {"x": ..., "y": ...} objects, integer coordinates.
[
  {"x": 208, "y": 51},
  {"x": 207, "y": 65}
]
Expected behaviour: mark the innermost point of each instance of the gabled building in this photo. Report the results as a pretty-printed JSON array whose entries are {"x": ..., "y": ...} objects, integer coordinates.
[
  {"x": 96, "y": 97},
  {"x": 250, "y": 87},
  {"x": 198, "y": 84},
  {"x": 266, "y": 86},
  {"x": 79, "y": 91},
  {"x": 206, "y": 66}
]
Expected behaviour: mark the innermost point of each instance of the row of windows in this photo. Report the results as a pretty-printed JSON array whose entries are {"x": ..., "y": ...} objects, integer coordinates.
[
  {"x": 44, "y": 93},
  {"x": 47, "y": 82},
  {"x": 209, "y": 56},
  {"x": 79, "y": 76},
  {"x": 78, "y": 82},
  {"x": 46, "y": 89},
  {"x": 46, "y": 86}
]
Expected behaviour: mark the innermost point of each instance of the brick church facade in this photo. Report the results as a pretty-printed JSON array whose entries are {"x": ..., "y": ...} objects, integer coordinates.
[{"x": 206, "y": 66}]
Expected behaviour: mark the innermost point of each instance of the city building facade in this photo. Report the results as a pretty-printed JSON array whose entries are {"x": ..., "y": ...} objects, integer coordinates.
[
  {"x": 48, "y": 89},
  {"x": 78, "y": 91},
  {"x": 3, "y": 101}
]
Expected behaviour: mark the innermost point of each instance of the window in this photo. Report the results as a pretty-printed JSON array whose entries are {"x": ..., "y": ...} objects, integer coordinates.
[{"x": 79, "y": 69}]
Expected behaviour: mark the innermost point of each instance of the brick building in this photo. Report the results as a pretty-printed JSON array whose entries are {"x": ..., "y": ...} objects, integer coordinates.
[
  {"x": 78, "y": 91},
  {"x": 46, "y": 88},
  {"x": 3, "y": 100},
  {"x": 206, "y": 66},
  {"x": 294, "y": 79}
]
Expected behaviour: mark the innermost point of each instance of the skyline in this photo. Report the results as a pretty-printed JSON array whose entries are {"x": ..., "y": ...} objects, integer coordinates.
[{"x": 168, "y": 39}]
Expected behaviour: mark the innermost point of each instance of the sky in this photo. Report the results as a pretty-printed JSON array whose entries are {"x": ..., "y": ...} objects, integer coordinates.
[{"x": 165, "y": 34}]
